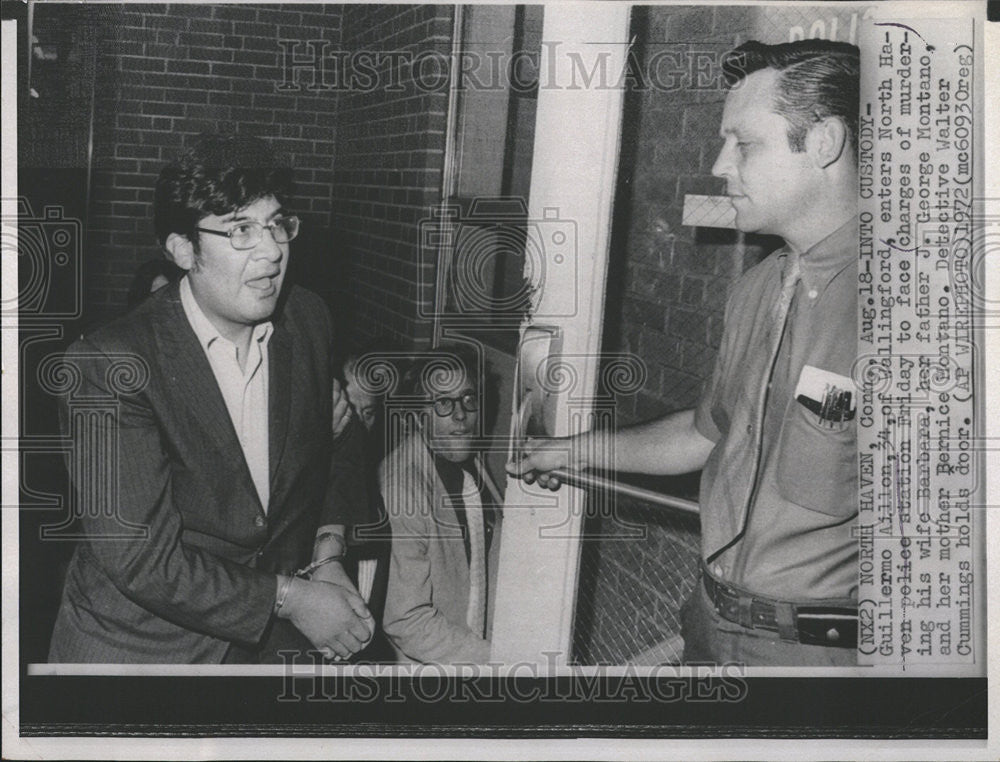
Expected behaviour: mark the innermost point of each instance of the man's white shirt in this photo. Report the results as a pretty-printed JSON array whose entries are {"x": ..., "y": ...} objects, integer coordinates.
[{"x": 244, "y": 391}]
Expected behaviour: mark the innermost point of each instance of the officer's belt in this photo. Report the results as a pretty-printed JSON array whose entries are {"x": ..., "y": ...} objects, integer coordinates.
[{"x": 803, "y": 622}]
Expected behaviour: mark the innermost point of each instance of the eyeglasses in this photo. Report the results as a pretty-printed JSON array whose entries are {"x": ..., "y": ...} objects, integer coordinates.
[
  {"x": 445, "y": 406},
  {"x": 246, "y": 235}
]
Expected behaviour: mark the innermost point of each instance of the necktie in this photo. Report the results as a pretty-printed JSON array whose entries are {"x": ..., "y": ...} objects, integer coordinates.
[
  {"x": 789, "y": 279},
  {"x": 476, "y": 613},
  {"x": 779, "y": 317}
]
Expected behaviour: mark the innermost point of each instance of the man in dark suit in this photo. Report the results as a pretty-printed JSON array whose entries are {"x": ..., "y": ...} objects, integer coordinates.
[{"x": 228, "y": 479}]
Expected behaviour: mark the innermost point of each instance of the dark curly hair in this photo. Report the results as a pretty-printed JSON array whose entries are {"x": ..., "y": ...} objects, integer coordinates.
[
  {"x": 218, "y": 175},
  {"x": 817, "y": 79},
  {"x": 441, "y": 362}
]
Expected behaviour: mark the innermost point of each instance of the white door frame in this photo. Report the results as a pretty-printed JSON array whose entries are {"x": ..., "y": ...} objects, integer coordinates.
[{"x": 576, "y": 152}]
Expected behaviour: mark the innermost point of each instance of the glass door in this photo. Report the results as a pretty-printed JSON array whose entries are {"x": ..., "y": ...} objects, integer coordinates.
[{"x": 575, "y": 158}]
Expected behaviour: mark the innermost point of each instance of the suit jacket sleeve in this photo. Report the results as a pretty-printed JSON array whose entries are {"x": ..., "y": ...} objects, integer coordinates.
[
  {"x": 135, "y": 533},
  {"x": 411, "y": 620}
]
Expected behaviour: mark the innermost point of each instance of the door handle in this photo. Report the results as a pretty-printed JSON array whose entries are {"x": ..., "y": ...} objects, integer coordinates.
[{"x": 534, "y": 415}]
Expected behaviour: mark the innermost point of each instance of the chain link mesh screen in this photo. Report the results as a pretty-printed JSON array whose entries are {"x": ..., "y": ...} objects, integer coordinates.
[{"x": 631, "y": 589}]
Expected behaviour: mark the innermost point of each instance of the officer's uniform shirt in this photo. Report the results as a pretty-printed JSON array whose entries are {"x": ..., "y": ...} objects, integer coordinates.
[{"x": 779, "y": 493}]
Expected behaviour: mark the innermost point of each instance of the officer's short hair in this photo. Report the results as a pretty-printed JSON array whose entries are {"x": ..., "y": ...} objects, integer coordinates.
[
  {"x": 218, "y": 175},
  {"x": 817, "y": 79}
]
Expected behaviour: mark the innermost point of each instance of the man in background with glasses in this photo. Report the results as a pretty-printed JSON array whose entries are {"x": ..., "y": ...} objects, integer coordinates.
[
  {"x": 442, "y": 506},
  {"x": 223, "y": 539}
]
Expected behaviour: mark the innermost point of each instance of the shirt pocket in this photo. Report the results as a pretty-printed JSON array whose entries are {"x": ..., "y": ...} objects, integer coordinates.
[{"x": 816, "y": 463}]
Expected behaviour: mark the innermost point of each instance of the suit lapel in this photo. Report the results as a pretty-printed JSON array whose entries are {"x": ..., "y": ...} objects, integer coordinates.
[
  {"x": 192, "y": 378},
  {"x": 279, "y": 394}
]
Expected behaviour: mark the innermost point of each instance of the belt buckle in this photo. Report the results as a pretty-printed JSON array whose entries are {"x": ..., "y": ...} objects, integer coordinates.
[
  {"x": 830, "y": 627},
  {"x": 745, "y": 610},
  {"x": 762, "y": 615},
  {"x": 724, "y": 604}
]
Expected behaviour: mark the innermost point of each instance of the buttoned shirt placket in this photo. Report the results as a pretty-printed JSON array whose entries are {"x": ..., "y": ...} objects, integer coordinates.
[
  {"x": 245, "y": 394},
  {"x": 779, "y": 323}
]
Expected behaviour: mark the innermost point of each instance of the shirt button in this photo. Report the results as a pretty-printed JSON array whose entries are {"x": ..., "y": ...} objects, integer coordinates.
[
  {"x": 259, "y": 521},
  {"x": 813, "y": 293},
  {"x": 749, "y": 428}
]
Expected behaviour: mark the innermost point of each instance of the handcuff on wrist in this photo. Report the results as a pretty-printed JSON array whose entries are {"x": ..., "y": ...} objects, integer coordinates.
[
  {"x": 282, "y": 594},
  {"x": 327, "y": 535},
  {"x": 306, "y": 571}
]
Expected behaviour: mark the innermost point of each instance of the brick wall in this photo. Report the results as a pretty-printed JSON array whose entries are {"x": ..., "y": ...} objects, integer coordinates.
[
  {"x": 387, "y": 177},
  {"x": 166, "y": 73}
]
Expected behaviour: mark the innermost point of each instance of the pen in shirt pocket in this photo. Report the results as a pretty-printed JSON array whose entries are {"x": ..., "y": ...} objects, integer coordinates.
[{"x": 835, "y": 407}]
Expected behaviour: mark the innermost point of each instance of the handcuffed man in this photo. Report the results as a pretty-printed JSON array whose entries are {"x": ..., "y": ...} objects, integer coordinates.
[
  {"x": 225, "y": 477},
  {"x": 774, "y": 430}
]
